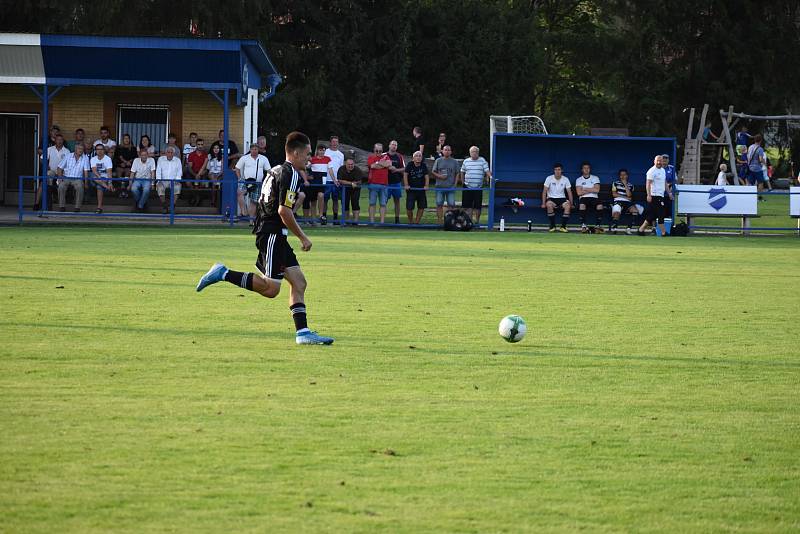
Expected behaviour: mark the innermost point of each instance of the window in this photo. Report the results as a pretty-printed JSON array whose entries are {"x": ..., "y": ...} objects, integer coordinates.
[{"x": 137, "y": 120}]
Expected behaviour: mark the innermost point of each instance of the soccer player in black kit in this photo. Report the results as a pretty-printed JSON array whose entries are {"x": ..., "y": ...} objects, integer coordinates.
[{"x": 276, "y": 259}]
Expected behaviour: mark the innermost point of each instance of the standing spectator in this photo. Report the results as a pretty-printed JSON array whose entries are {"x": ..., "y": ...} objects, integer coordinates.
[
  {"x": 80, "y": 139},
  {"x": 144, "y": 142},
  {"x": 622, "y": 195},
  {"x": 656, "y": 186},
  {"x": 262, "y": 146},
  {"x": 474, "y": 174},
  {"x": 588, "y": 187},
  {"x": 741, "y": 164},
  {"x": 417, "y": 141},
  {"x": 742, "y": 139},
  {"x": 334, "y": 190},
  {"x": 55, "y": 155},
  {"x": 168, "y": 170},
  {"x": 124, "y": 155},
  {"x": 755, "y": 159},
  {"x": 669, "y": 174},
  {"x": 105, "y": 139},
  {"x": 172, "y": 141},
  {"x": 708, "y": 134},
  {"x": 320, "y": 172},
  {"x": 378, "y": 181},
  {"x": 73, "y": 171},
  {"x": 351, "y": 178},
  {"x": 445, "y": 171},
  {"x": 440, "y": 144},
  {"x": 765, "y": 169},
  {"x": 101, "y": 166},
  {"x": 143, "y": 172},
  {"x": 722, "y": 177},
  {"x": 557, "y": 194},
  {"x": 396, "y": 170},
  {"x": 214, "y": 169},
  {"x": 191, "y": 146},
  {"x": 415, "y": 181},
  {"x": 250, "y": 172},
  {"x": 233, "y": 148},
  {"x": 197, "y": 168}
]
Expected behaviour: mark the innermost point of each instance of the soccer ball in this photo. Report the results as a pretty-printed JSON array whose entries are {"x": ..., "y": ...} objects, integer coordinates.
[{"x": 512, "y": 328}]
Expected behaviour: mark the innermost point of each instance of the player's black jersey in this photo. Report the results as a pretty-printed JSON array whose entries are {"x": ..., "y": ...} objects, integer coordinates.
[
  {"x": 618, "y": 190},
  {"x": 279, "y": 188}
]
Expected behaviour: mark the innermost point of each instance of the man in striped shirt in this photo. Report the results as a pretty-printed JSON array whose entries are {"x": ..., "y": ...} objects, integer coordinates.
[
  {"x": 72, "y": 171},
  {"x": 474, "y": 174}
]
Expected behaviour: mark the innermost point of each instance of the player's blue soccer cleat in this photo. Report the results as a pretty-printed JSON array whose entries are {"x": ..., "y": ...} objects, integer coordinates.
[
  {"x": 215, "y": 274},
  {"x": 312, "y": 338}
]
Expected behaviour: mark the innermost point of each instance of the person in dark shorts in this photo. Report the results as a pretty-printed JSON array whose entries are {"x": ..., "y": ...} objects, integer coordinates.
[
  {"x": 276, "y": 259},
  {"x": 557, "y": 195},
  {"x": 657, "y": 188},
  {"x": 415, "y": 181},
  {"x": 622, "y": 195},
  {"x": 396, "y": 178}
]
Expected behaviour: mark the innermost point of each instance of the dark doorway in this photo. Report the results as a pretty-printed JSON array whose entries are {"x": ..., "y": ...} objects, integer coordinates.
[{"x": 17, "y": 154}]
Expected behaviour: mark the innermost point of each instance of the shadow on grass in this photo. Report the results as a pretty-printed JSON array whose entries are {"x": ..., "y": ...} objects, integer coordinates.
[{"x": 153, "y": 329}]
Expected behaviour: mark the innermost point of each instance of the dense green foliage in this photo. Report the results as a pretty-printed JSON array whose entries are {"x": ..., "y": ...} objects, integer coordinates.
[
  {"x": 656, "y": 390},
  {"x": 370, "y": 70}
]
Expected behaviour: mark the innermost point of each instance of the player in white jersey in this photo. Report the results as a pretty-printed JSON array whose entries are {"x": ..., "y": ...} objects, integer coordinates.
[
  {"x": 557, "y": 194},
  {"x": 588, "y": 187}
]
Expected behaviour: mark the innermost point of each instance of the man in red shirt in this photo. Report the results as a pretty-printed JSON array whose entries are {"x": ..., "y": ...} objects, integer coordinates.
[
  {"x": 378, "y": 181},
  {"x": 196, "y": 168}
]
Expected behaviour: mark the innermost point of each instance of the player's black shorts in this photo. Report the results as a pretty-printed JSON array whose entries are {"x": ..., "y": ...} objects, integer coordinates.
[
  {"x": 559, "y": 202},
  {"x": 472, "y": 199},
  {"x": 416, "y": 196},
  {"x": 591, "y": 203},
  {"x": 275, "y": 255},
  {"x": 655, "y": 210}
]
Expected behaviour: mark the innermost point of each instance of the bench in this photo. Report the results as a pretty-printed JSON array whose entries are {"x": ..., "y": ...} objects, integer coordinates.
[{"x": 744, "y": 218}]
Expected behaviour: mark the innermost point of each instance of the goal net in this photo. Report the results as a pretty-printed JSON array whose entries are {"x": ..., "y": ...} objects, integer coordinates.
[{"x": 522, "y": 124}]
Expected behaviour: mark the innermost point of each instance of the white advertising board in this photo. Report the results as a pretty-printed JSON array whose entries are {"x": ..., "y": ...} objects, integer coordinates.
[
  {"x": 718, "y": 200},
  {"x": 794, "y": 201}
]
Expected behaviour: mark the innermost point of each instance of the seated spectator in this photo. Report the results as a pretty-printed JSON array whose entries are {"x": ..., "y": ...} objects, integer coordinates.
[
  {"x": 169, "y": 168},
  {"x": 557, "y": 194},
  {"x": 197, "y": 168},
  {"x": 415, "y": 181},
  {"x": 378, "y": 181},
  {"x": 233, "y": 148},
  {"x": 351, "y": 178},
  {"x": 73, "y": 171},
  {"x": 722, "y": 177},
  {"x": 105, "y": 139},
  {"x": 123, "y": 158},
  {"x": 214, "y": 170},
  {"x": 588, "y": 187},
  {"x": 190, "y": 147},
  {"x": 101, "y": 165},
  {"x": 320, "y": 174},
  {"x": 80, "y": 139},
  {"x": 172, "y": 141},
  {"x": 250, "y": 172},
  {"x": 445, "y": 170},
  {"x": 143, "y": 172},
  {"x": 622, "y": 195},
  {"x": 474, "y": 174},
  {"x": 144, "y": 142}
]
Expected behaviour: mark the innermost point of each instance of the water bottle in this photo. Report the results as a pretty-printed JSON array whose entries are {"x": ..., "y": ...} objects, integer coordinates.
[
  {"x": 502, "y": 224},
  {"x": 530, "y": 225}
]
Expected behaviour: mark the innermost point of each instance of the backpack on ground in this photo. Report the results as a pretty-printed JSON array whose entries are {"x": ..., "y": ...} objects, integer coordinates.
[{"x": 458, "y": 221}]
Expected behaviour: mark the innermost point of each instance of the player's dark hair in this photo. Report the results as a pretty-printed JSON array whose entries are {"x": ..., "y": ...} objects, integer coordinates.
[
  {"x": 621, "y": 171},
  {"x": 585, "y": 163},
  {"x": 558, "y": 166},
  {"x": 104, "y": 127},
  {"x": 296, "y": 141}
]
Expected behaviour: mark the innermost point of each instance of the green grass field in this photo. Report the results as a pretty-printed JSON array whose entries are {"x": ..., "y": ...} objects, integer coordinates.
[{"x": 657, "y": 389}]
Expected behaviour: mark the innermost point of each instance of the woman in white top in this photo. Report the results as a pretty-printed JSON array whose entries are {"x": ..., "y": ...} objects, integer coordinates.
[{"x": 722, "y": 177}]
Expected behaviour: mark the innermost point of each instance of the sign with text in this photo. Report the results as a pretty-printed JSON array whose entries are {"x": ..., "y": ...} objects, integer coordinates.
[
  {"x": 794, "y": 201},
  {"x": 718, "y": 200}
]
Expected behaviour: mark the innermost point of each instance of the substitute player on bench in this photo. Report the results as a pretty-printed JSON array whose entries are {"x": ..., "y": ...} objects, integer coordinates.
[
  {"x": 557, "y": 189},
  {"x": 622, "y": 193},
  {"x": 276, "y": 259}
]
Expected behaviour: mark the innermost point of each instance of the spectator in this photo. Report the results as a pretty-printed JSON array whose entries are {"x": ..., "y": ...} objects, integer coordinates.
[
  {"x": 445, "y": 171},
  {"x": 333, "y": 191},
  {"x": 143, "y": 172},
  {"x": 588, "y": 187},
  {"x": 124, "y": 155},
  {"x": 622, "y": 195},
  {"x": 54, "y": 131},
  {"x": 417, "y": 141},
  {"x": 755, "y": 159},
  {"x": 378, "y": 181},
  {"x": 172, "y": 141},
  {"x": 722, "y": 177},
  {"x": 441, "y": 143},
  {"x": 144, "y": 142},
  {"x": 73, "y": 171},
  {"x": 474, "y": 174},
  {"x": 742, "y": 139},
  {"x": 214, "y": 169},
  {"x": 233, "y": 148},
  {"x": 168, "y": 170},
  {"x": 396, "y": 170},
  {"x": 765, "y": 170},
  {"x": 708, "y": 134},
  {"x": 101, "y": 166},
  {"x": 656, "y": 187},
  {"x": 320, "y": 172},
  {"x": 80, "y": 139},
  {"x": 191, "y": 146},
  {"x": 262, "y": 146},
  {"x": 351, "y": 178},
  {"x": 55, "y": 155},
  {"x": 669, "y": 174},
  {"x": 415, "y": 181},
  {"x": 250, "y": 172},
  {"x": 197, "y": 168},
  {"x": 741, "y": 164},
  {"x": 557, "y": 194},
  {"x": 105, "y": 139}
]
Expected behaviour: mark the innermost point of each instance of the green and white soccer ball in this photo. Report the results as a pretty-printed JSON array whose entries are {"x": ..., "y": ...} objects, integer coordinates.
[{"x": 512, "y": 328}]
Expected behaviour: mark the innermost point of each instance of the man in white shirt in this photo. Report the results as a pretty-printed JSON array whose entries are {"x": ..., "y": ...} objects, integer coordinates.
[
  {"x": 557, "y": 194},
  {"x": 169, "y": 168},
  {"x": 657, "y": 188},
  {"x": 73, "y": 171},
  {"x": 333, "y": 189},
  {"x": 588, "y": 187},
  {"x": 191, "y": 146},
  {"x": 105, "y": 139},
  {"x": 56, "y": 153},
  {"x": 143, "y": 172},
  {"x": 250, "y": 171},
  {"x": 101, "y": 166}
]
